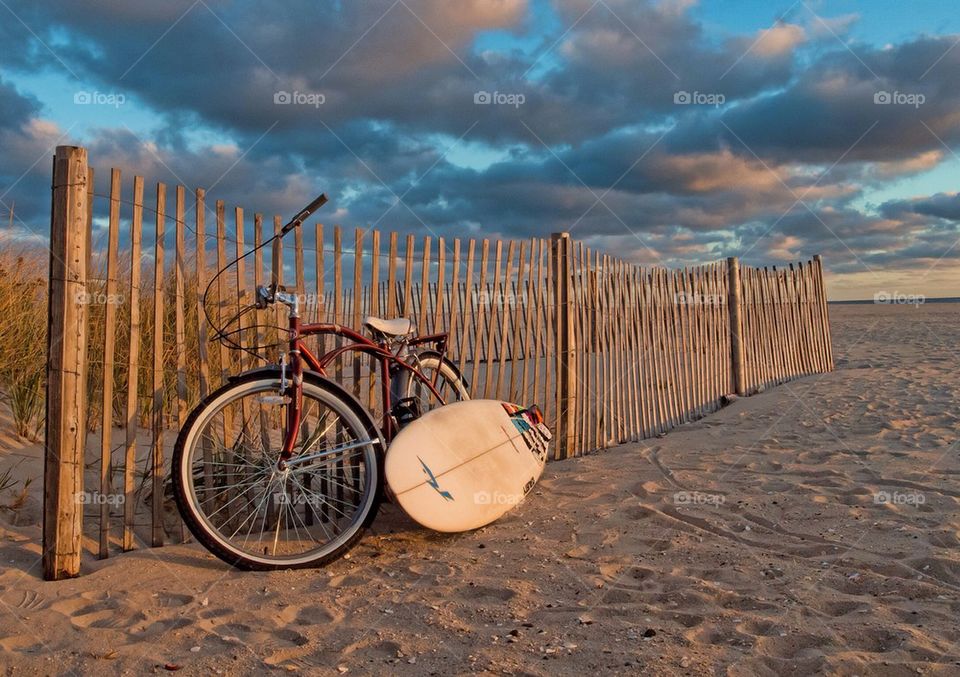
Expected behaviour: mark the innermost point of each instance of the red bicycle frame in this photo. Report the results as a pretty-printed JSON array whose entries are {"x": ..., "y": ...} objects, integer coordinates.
[{"x": 299, "y": 355}]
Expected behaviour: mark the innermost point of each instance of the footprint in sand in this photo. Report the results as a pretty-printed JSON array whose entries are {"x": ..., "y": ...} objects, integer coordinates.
[
  {"x": 98, "y": 610},
  {"x": 476, "y": 593},
  {"x": 214, "y": 612},
  {"x": 944, "y": 538},
  {"x": 169, "y": 599},
  {"x": 871, "y": 639},
  {"x": 838, "y": 608},
  {"x": 942, "y": 570},
  {"x": 715, "y": 635},
  {"x": 308, "y": 615},
  {"x": 434, "y": 570},
  {"x": 26, "y": 600},
  {"x": 687, "y": 620},
  {"x": 739, "y": 603},
  {"x": 276, "y": 645},
  {"x": 632, "y": 582},
  {"x": 21, "y": 644},
  {"x": 761, "y": 628},
  {"x": 792, "y": 646},
  {"x": 771, "y": 666},
  {"x": 346, "y": 581},
  {"x": 164, "y": 626}
]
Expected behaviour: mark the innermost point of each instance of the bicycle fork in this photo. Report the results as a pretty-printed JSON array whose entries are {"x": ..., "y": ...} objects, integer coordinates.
[{"x": 292, "y": 386}]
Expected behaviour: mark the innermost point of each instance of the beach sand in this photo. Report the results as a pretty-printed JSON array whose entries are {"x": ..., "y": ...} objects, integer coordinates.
[{"x": 813, "y": 528}]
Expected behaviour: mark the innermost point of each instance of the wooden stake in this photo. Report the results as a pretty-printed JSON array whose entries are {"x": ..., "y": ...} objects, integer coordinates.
[{"x": 66, "y": 367}]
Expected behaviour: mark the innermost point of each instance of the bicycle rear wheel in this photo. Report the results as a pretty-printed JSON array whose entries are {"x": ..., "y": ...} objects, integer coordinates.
[
  {"x": 252, "y": 514},
  {"x": 447, "y": 380}
]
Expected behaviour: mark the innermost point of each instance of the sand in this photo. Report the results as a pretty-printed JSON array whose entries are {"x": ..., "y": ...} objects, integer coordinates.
[{"x": 813, "y": 528}]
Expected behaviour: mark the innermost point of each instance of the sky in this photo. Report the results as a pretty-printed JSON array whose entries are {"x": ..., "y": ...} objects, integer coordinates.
[{"x": 667, "y": 133}]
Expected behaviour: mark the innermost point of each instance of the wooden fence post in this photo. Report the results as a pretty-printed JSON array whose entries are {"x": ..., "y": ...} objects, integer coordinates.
[
  {"x": 66, "y": 367},
  {"x": 734, "y": 301},
  {"x": 562, "y": 264},
  {"x": 824, "y": 311}
]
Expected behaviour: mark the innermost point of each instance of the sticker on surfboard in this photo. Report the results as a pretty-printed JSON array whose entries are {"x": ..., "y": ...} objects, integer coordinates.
[{"x": 463, "y": 465}]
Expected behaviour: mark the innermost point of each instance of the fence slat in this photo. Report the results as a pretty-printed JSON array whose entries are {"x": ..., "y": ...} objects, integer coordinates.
[
  {"x": 467, "y": 306},
  {"x": 633, "y": 353},
  {"x": 408, "y": 278},
  {"x": 454, "y": 306},
  {"x": 357, "y": 302},
  {"x": 505, "y": 301},
  {"x": 133, "y": 365},
  {"x": 180, "y": 329},
  {"x": 203, "y": 368},
  {"x": 222, "y": 308},
  {"x": 157, "y": 471},
  {"x": 479, "y": 310},
  {"x": 109, "y": 349},
  {"x": 392, "y": 278}
]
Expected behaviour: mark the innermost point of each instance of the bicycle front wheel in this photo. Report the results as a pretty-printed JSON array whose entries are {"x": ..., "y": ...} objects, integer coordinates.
[{"x": 254, "y": 515}]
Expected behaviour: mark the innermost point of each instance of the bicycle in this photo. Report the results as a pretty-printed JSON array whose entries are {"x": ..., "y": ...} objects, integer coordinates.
[{"x": 284, "y": 439}]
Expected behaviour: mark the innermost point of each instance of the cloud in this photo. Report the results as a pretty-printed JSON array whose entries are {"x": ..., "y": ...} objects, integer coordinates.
[
  {"x": 867, "y": 105},
  {"x": 780, "y": 132},
  {"x": 941, "y": 206},
  {"x": 782, "y": 38}
]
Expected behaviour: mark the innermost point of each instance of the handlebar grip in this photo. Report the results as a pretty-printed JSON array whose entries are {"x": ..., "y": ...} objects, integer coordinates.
[{"x": 304, "y": 214}]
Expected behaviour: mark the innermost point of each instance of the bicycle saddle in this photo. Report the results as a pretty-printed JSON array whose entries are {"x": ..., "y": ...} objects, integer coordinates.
[{"x": 400, "y": 326}]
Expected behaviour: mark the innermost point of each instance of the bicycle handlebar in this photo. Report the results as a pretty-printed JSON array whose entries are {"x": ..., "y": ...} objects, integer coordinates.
[{"x": 304, "y": 214}]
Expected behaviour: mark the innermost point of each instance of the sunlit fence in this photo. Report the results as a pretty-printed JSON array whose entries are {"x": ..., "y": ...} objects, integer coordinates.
[{"x": 611, "y": 351}]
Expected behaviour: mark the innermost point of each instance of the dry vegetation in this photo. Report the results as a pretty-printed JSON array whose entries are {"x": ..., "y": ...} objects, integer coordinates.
[
  {"x": 23, "y": 334},
  {"x": 23, "y": 339}
]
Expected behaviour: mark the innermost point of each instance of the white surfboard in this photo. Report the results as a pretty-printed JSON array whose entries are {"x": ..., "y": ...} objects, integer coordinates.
[{"x": 463, "y": 465}]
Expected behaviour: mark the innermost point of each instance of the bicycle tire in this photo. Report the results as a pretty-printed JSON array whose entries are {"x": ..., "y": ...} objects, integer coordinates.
[
  {"x": 430, "y": 360},
  {"x": 191, "y": 513}
]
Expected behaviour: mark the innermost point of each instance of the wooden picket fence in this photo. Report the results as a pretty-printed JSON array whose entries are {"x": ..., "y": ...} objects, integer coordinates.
[{"x": 613, "y": 352}]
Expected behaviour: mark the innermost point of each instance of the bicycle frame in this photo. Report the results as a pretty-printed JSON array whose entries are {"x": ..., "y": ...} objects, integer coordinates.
[{"x": 299, "y": 355}]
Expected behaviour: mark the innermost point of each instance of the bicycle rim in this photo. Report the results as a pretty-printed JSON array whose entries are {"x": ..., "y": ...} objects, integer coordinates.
[
  {"x": 251, "y": 512},
  {"x": 449, "y": 384}
]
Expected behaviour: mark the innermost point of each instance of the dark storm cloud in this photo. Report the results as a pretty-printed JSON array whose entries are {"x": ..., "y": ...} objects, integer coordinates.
[
  {"x": 16, "y": 109},
  {"x": 941, "y": 206},
  {"x": 901, "y": 101},
  {"x": 25, "y": 146}
]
